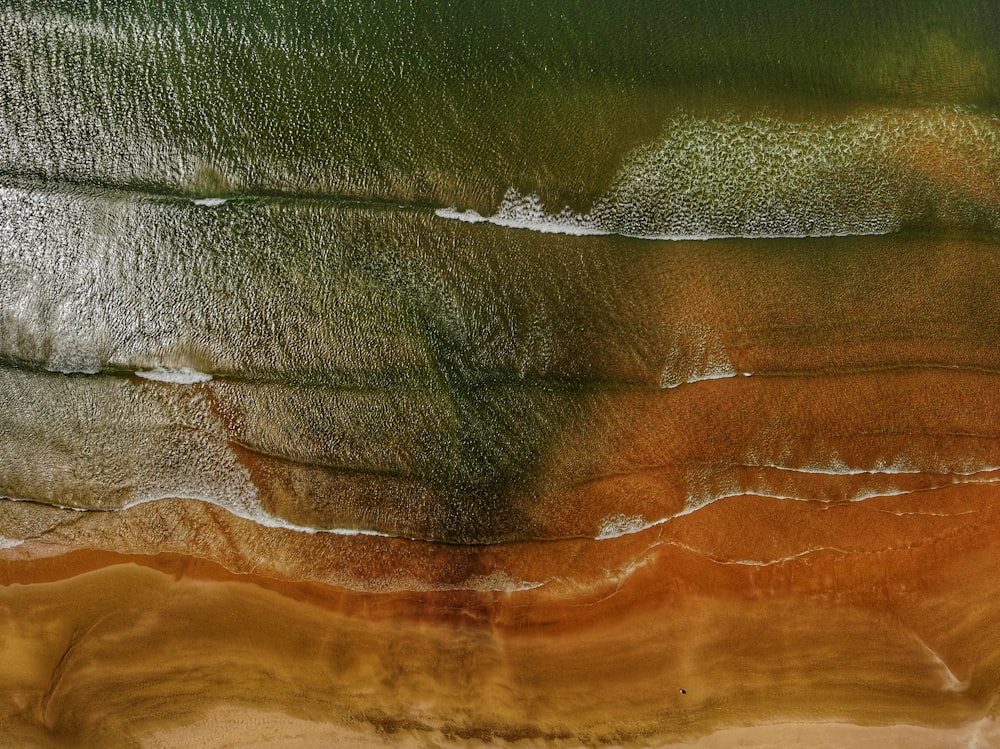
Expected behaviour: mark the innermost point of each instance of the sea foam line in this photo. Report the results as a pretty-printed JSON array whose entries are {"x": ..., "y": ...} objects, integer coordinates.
[
  {"x": 878, "y": 470},
  {"x": 582, "y": 227},
  {"x": 618, "y": 525},
  {"x": 551, "y": 226},
  {"x": 495, "y": 581},
  {"x": 263, "y": 518},
  {"x": 768, "y": 177},
  {"x": 174, "y": 375},
  {"x": 258, "y": 517}
]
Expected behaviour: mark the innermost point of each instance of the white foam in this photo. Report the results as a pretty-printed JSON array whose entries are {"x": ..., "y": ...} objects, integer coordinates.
[
  {"x": 951, "y": 682},
  {"x": 497, "y": 580},
  {"x": 645, "y": 558},
  {"x": 777, "y": 560},
  {"x": 73, "y": 369},
  {"x": 175, "y": 376},
  {"x": 879, "y": 470},
  {"x": 539, "y": 223},
  {"x": 209, "y": 202},
  {"x": 666, "y": 384},
  {"x": 469, "y": 217},
  {"x": 43, "y": 502},
  {"x": 695, "y": 354},
  {"x": 259, "y": 516},
  {"x": 255, "y": 515},
  {"x": 527, "y": 212},
  {"x": 621, "y": 524},
  {"x": 769, "y": 177},
  {"x": 584, "y": 228},
  {"x": 615, "y": 526}
]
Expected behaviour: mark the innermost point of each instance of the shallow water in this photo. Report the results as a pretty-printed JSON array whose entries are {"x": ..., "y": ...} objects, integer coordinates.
[{"x": 439, "y": 374}]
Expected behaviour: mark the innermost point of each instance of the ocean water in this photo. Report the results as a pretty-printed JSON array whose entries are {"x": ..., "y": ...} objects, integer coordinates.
[
  {"x": 552, "y": 373},
  {"x": 417, "y": 249},
  {"x": 447, "y": 104}
]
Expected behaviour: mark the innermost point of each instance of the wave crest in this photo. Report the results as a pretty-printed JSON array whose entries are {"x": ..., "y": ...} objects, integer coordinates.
[{"x": 871, "y": 173}]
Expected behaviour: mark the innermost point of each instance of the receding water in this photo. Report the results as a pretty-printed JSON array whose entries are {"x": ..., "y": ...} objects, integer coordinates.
[{"x": 422, "y": 268}]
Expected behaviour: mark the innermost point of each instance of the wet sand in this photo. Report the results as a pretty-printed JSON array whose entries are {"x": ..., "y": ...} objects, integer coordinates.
[
  {"x": 653, "y": 638},
  {"x": 762, "y": 609},
  {"x": 303, "y": 442}
]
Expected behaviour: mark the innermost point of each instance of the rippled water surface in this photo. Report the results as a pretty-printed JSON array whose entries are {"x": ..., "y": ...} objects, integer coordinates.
[{"x": 503, "y": 324}]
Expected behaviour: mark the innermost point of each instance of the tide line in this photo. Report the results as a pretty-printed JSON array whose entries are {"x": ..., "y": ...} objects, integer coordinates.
[
  {"x": 581, "y": 226},
  {"x": 258, "y": 517}
]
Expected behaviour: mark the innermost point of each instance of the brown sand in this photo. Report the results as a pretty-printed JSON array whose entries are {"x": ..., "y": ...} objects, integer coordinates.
[
  {"x": 807, "y": 556},
  {"x": 897, "y": 628}
]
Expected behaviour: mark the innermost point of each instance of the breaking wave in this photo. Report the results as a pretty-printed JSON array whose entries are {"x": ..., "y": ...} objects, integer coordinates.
[{"x": 871, "y": 173}]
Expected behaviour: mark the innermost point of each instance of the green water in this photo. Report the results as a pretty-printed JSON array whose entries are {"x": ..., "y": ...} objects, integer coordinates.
[
  {"x": 353, "y": 329},
  {"x": 444, "y": 103}
]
